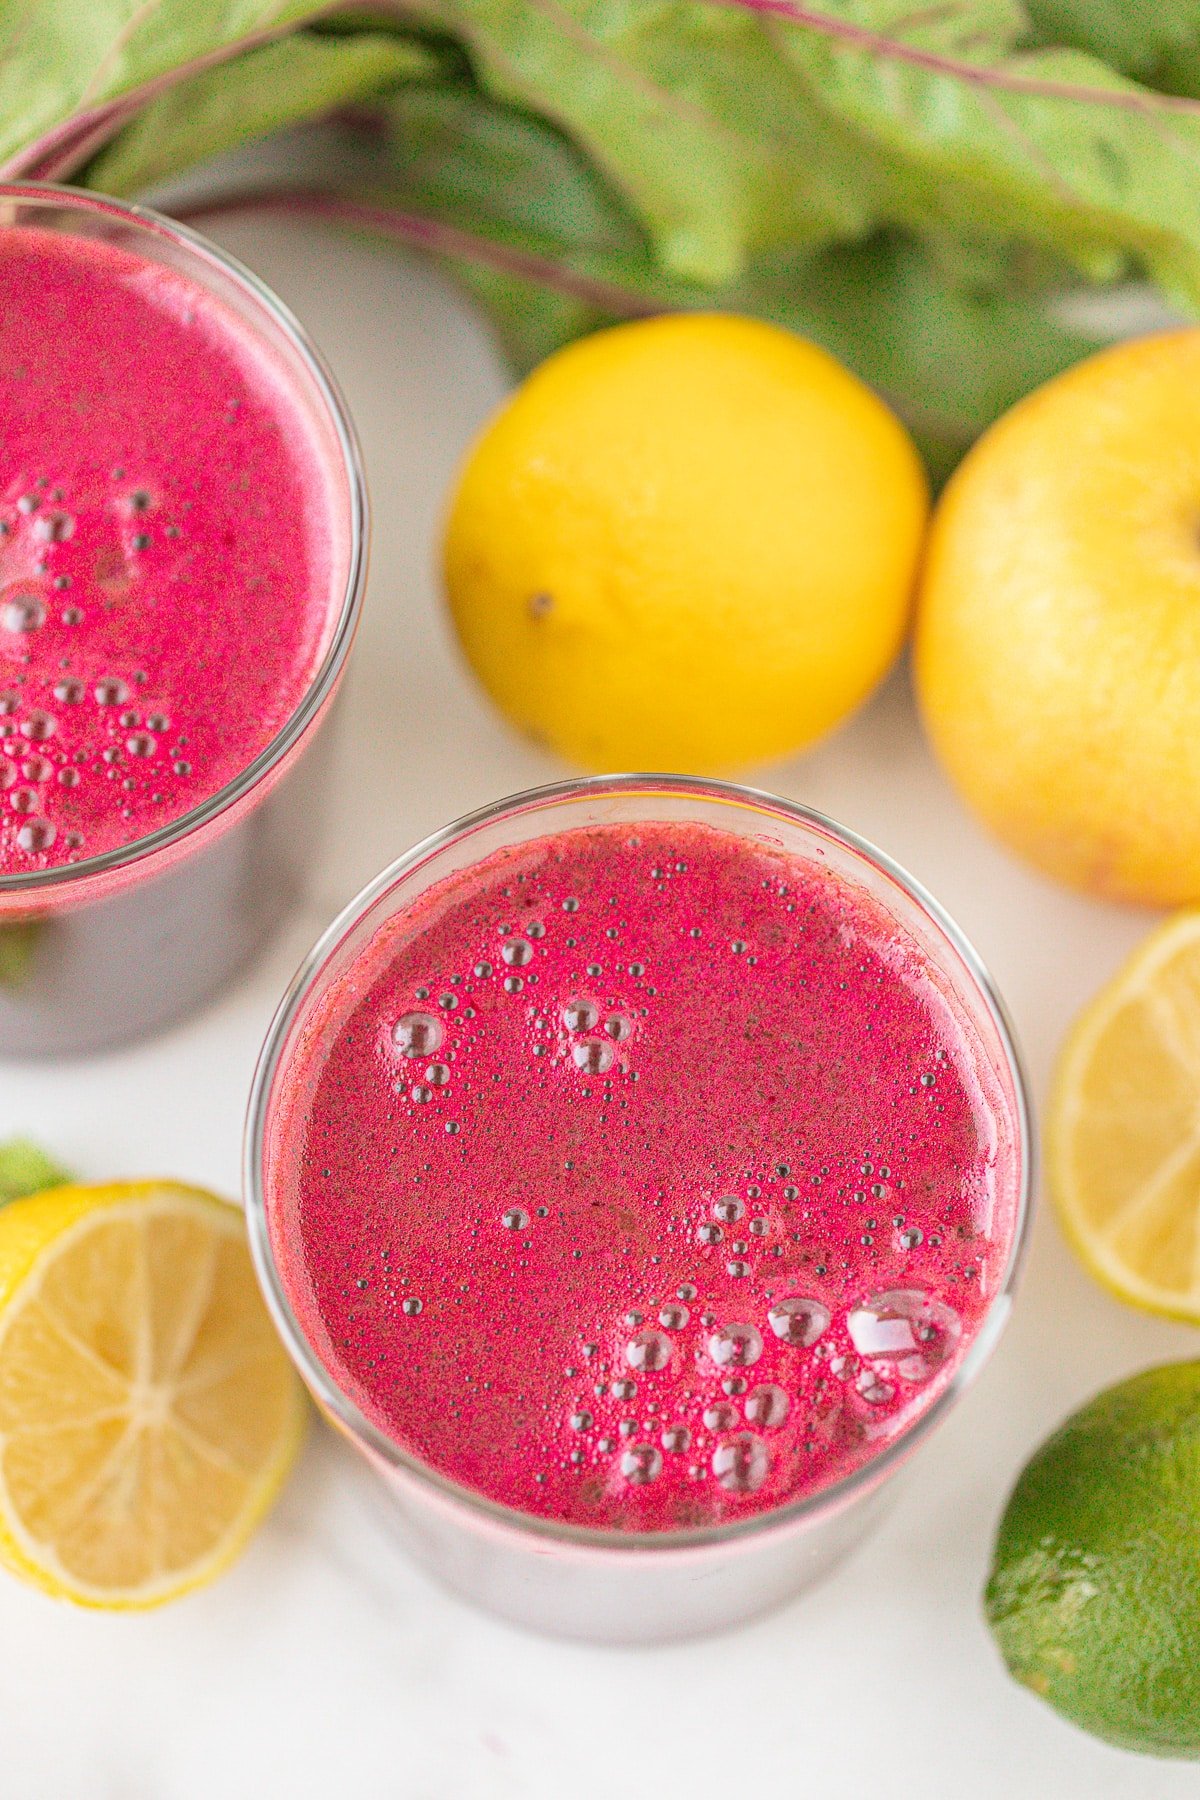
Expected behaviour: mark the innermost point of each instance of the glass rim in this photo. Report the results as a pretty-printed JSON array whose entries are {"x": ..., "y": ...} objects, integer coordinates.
[
  {"x": 601, "y": 1541},
  {"x": 49, "y": 196}
]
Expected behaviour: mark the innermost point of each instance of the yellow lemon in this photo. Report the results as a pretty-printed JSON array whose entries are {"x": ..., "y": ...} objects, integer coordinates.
[
  {"x": 148, "y": 1414},
  {"x": 687, "y": 543},
  {"x": 1123, "y": 1132},
  {"x": 1058, "y": 624}
]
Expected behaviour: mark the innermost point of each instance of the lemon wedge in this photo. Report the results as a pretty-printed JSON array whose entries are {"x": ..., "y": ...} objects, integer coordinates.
[
  {"x": 1123, "y": 1132},
  {"x": 148, "y": 1414}
]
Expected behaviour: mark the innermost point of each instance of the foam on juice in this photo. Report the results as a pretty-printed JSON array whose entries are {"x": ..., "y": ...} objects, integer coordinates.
[
  {"x": 168, "y": 548},
  {"x": 642, "y": 1179}
]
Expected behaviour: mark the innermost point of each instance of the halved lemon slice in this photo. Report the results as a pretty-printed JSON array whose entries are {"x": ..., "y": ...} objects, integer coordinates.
[
  {"x": 148, "y": 1414},
  {"x": 1123, "y": 1132}
]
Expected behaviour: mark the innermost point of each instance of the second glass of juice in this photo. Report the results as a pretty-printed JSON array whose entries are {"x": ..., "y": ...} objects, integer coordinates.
[
  {"x": 636, "y": 1173},
  {"x": 182, "y": 556}
]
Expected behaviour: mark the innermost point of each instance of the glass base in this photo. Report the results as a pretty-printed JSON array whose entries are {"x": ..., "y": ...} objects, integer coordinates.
[
  {"x": 616, "y": 1596},
  {"x": 113, "y": 970}
]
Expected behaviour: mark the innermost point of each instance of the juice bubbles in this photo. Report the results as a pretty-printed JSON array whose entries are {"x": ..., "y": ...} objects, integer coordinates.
[
  {"x": 167, "y": 547},
  {"x": 642, "y": 1177},
  {"x": 182, "y": 555}
]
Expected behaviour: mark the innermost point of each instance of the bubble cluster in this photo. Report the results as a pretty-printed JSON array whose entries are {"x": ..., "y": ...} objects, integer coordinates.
[
  {"x": 674, "y": 1268},
  {"x": 78, "y": 723},
  {"x": 164, "y": 562}
]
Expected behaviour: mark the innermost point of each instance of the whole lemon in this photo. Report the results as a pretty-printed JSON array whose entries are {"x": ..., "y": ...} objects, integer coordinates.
[
  {"x": 1058, "y": 624},
  {"x": 685, "y": 543}
]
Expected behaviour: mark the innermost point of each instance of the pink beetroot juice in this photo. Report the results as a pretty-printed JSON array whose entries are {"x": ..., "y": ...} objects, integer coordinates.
[
  {"x": 642, "y": 1178},
  {"x": 167, "y": 548}
]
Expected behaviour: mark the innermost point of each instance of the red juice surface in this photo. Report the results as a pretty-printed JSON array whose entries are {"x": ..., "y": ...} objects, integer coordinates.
[
  {"x": 642, "y": 1178},
  {"x": 167, "y": 548}
]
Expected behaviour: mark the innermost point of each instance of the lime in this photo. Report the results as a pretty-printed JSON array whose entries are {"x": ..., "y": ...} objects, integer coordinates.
[{"x": 1094, "y": 1595}]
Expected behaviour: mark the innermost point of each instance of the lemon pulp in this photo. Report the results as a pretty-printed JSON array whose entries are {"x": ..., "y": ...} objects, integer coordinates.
[{"x": 148, "y": 1414}]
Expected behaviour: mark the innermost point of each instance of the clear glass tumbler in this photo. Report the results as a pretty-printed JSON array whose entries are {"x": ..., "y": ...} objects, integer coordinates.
[
  {"x": 115, "y": 945},
  {"x": 572, "y": 1581}
]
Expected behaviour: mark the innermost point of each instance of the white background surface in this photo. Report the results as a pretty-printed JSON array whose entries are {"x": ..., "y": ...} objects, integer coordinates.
[{"x": 325, "y": 1664}]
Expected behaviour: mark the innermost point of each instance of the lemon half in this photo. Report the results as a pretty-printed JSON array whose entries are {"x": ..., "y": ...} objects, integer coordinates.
[
  {"x": 1123, "y": 1133},
  {"x": 148, "y": 1414}
]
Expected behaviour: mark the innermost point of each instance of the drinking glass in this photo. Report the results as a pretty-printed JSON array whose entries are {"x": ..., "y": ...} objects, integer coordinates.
[
  {"x": 116, "y": 945},
  {"x": 579, "y": 1582}
]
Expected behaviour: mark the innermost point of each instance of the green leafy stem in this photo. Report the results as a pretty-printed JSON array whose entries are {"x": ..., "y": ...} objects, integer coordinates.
[
  {"x": 1003, "y": 79},
  {"x": 914, "y": 186}
]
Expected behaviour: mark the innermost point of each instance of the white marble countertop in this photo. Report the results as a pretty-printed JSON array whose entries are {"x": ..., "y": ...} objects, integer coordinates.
[{"x": 326, "y": 1664}]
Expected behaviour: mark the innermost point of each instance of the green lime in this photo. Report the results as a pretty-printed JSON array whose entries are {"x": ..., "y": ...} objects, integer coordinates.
[{"x": 1094, "y": 1595}]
